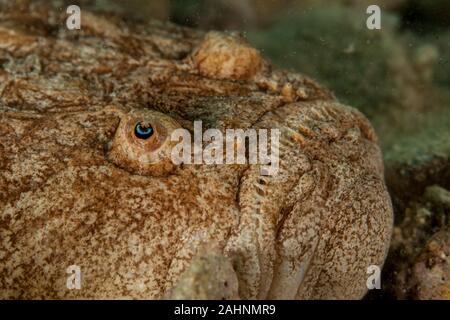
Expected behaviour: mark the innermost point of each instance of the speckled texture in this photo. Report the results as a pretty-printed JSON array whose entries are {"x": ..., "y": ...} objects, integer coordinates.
[
  {"x": 67, "y": 198},
  {"x": 210, "y": 276}
]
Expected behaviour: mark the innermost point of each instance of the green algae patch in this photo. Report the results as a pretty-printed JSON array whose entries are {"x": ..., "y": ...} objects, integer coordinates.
[{"x": 426, "y": 143}]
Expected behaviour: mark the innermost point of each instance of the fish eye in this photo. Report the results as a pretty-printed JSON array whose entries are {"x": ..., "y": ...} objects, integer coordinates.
[
  {"x": 143, "y": 130},
  {"x": 142, "y": 143}
]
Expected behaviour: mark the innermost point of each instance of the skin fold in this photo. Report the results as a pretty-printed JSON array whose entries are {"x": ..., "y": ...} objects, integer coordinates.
[{"x": 78, "y": 188}]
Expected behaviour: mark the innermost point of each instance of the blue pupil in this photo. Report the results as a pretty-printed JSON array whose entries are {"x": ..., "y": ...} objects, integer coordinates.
[{"x": 143, "y": 131}]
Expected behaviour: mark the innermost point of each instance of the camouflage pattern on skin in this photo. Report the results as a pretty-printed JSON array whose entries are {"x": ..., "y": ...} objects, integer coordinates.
[{"x": 309, "y": 232}]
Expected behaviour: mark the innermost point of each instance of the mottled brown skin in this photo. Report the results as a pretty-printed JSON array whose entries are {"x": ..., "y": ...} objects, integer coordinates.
[{"x": 134, "y": 228}]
